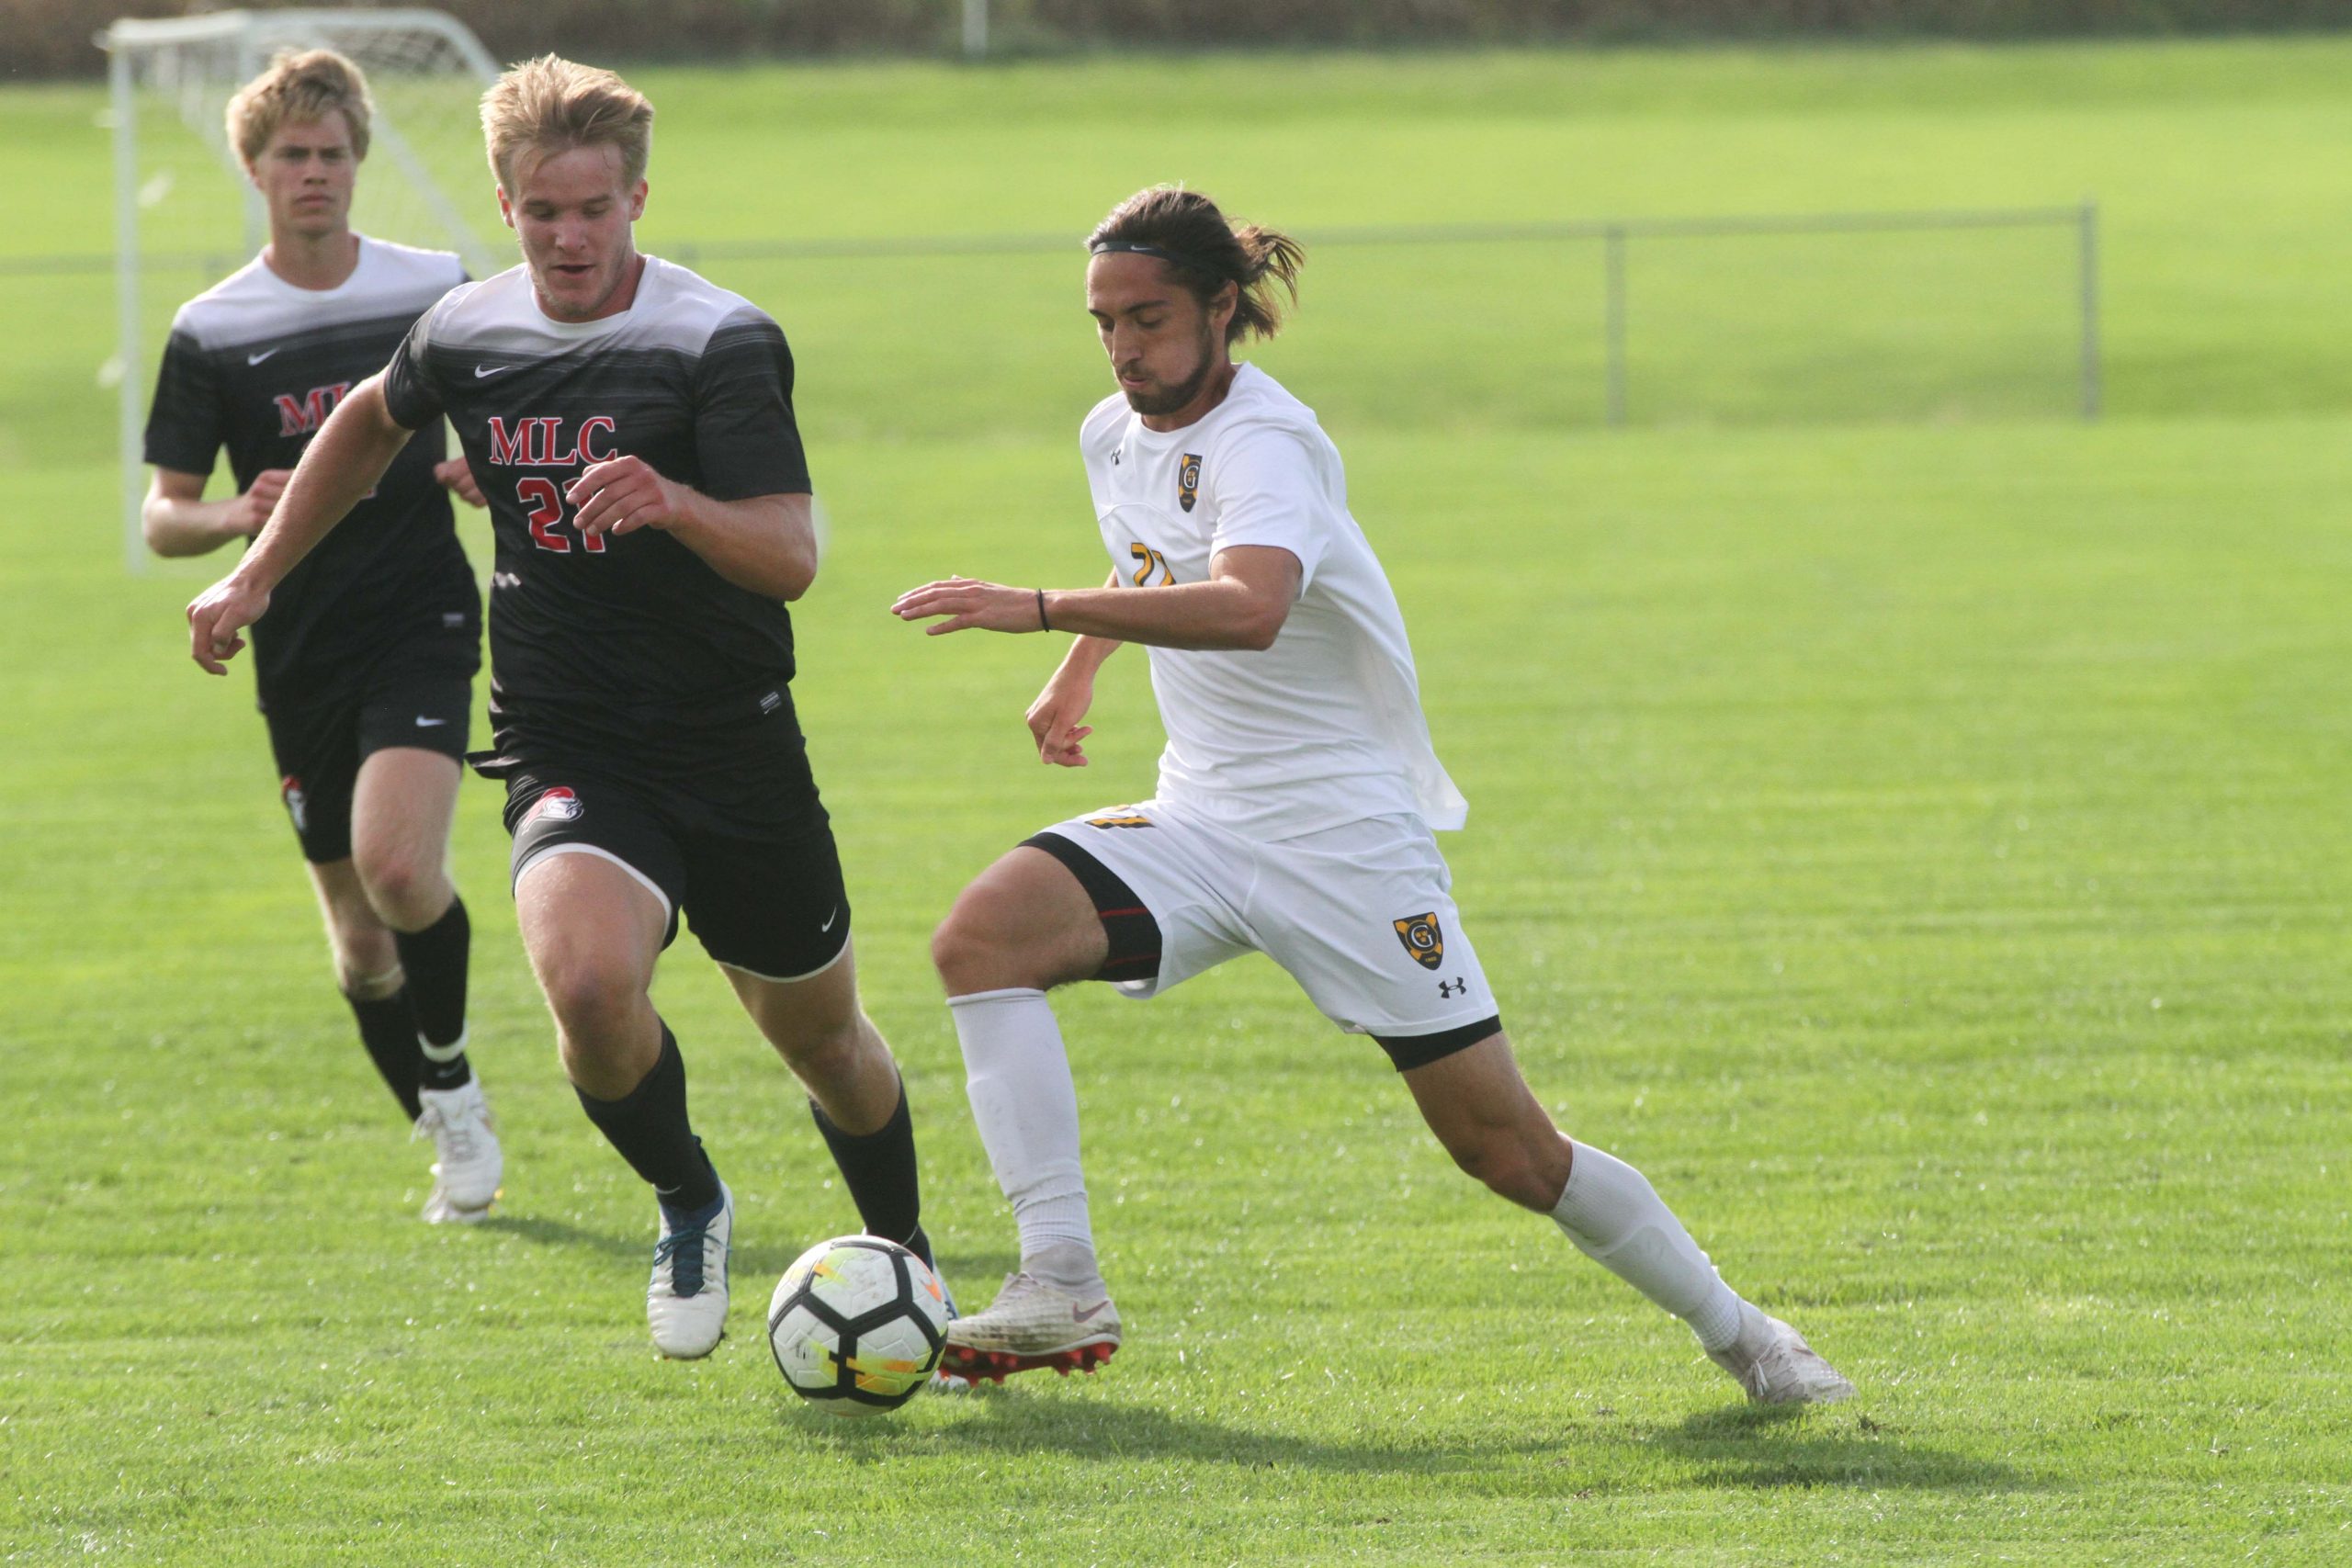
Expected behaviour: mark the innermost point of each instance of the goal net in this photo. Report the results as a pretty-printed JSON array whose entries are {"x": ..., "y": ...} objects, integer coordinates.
[{"x": 186, "y": 217}]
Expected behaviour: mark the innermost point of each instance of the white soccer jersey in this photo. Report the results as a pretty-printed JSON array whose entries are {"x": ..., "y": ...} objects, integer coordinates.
[{"x": 1326, "y": 726}]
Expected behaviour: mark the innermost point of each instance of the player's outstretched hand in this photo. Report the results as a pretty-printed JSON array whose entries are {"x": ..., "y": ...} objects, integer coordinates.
[
  {"x": 1053, "y": 719},
  {"x": 217, "y": 617},
  {"x": 457, "y": 477},
  {"x": 621, "y": 495},
  {"x": 254, "y": 506},
  {"x": 966, "y": 602}
]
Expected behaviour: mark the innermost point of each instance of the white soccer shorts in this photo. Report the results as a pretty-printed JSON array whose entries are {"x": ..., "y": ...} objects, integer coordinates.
[{"x": 1360, "y": 914}]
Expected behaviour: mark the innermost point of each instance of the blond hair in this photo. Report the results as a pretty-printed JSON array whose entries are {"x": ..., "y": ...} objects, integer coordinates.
[
  {"x": 303, "y": 86},
  {"x": 554, "y": 105}
]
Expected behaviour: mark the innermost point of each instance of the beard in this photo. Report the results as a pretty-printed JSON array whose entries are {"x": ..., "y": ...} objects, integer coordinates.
[{"x": 1170, "y": 397}]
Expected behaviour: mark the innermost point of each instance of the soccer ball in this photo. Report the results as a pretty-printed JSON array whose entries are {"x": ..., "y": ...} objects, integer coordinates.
[{"x": 855, "y": 1324}]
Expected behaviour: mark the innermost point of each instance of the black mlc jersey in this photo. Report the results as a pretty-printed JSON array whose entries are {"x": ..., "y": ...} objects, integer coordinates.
[
  {"x": 256, "y": 365},
  {"x": 627, "y": 648}
]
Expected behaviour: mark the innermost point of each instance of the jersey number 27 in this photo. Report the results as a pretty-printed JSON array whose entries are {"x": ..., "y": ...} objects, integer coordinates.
[{"x": 546, "y": 502}]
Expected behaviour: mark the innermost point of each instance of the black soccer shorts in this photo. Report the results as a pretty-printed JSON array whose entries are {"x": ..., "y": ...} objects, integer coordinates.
[
  {"x": 319, "y": 746},
  {"x": 773, "y": 906}
]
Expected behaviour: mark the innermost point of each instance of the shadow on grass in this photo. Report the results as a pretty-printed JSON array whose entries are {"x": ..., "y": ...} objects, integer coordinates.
[
  {"x": 1762, "y": 1447},
  {"x": 1732, "y": 1449},
  {"x": 546, "y": 1232},
  {"x": 1011, "y": 1422}
]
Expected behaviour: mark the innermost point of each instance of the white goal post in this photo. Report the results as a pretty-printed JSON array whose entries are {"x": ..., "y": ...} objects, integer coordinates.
[{"x": 185, "y": 213}]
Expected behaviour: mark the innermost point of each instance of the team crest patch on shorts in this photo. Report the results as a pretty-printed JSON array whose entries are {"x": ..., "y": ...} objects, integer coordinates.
[
  {"x": 298, "y": 804},
  {"x": 1114, "y": 820},
  {"x": 1422, "y": 939},
  {"x": 559, "y": 805},
  {"x": 1187, "y": 481}
]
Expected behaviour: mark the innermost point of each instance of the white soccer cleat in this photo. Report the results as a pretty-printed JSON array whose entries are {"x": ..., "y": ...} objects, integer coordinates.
[
  {"x": 685, "y": 1302},
  {"x": 467, "y": 1173},
  {"x": 1032, "y": 1325},
  {"x": 1774, "y": 1364}
]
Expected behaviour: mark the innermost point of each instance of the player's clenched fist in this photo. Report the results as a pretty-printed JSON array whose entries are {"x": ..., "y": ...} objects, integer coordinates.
[
  {"x": 457, "y": 476},
  {"x": 254, "y": 506},
  {"x": 623, "y": 495},
  {"x": 217, "y": 617}
]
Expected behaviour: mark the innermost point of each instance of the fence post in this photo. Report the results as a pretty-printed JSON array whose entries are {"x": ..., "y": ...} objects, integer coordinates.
[
  {"x": 1613, "y": 258},
  {"x": 976, "y": 29},
  {"x": 123, "y": 94},
  {"x": 2088, "y": 231}
]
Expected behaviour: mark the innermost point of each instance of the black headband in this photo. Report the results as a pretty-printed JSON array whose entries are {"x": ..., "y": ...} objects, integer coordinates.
[{"x": 1175, "y": 258}]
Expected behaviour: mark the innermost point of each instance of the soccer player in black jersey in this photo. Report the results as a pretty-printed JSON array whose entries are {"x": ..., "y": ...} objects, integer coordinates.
[
  {"x": 364, "y": 666},
  {"x": 633, "y": 428}
]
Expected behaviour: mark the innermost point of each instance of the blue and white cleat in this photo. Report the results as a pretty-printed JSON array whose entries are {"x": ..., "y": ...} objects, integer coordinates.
[{"x": 685, "y": 1302}]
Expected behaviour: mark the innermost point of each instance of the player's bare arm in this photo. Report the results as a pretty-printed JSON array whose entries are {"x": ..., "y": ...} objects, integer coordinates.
[
  {"x": 1243, "y": 604},
  {"x": 764, "y": 543},
  {"x": 179, "y": 521},
  {"x": 342, "y": 463}
]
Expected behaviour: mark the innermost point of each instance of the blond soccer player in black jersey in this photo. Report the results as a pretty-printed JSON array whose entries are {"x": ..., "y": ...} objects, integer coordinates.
[
  {"x": 633, "y": 428},
  {"x": 364, "y": 667}
]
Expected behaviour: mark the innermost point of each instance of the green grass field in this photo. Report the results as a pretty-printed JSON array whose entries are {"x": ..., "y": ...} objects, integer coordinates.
[{"x": 1918, "y": 843}]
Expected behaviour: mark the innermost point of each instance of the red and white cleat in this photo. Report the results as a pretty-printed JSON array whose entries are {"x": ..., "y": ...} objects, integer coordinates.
[
  {"x": 1032, "y": 1325},
  {"x": 1775, "y": 1366}
]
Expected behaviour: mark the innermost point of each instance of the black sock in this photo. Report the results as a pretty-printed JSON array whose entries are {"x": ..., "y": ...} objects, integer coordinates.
[
  {"x": 878, "y": 1167},
  {"x": 436, "y": 959},
  {"x": 649, "y": 1126},
  {"x": 389, "y": 1031}
]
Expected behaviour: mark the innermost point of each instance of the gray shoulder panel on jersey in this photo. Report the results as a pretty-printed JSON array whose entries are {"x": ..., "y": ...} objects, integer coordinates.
[
  {"x": 675, "y": 309},
  {"x": 254, "y": 306}
]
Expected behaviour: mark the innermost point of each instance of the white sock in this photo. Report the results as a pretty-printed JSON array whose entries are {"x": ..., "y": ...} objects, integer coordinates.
[
  {"x": 1615, "y": 1217},
  {"x": 1026, "y": 1105}
]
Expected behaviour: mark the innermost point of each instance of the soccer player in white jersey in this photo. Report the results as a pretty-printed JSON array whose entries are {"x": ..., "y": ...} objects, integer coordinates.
[
  {"x": 364, "y": 668},
  {"x": 1296, "y": 798},
  {"x": 631, "y": 425}
]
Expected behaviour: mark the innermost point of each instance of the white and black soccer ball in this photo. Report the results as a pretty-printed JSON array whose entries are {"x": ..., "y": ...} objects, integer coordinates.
[{"x": 856, "y": 1325}]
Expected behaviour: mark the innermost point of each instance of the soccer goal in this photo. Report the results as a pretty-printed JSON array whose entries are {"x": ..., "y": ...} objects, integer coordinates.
[{"x": 184, "y": 214}]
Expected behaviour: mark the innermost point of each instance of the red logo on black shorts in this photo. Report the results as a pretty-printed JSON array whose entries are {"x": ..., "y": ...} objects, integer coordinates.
[{"x": 559, "y": 805}]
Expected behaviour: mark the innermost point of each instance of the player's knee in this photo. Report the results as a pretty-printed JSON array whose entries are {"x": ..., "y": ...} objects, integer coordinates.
[
  {"x": 1511, "y": 1167},
  {"x": 406, "y": 892},
  {"x": 971, "y": 952},
  {"x": 588, "y": 998},
  {"x": 828, "y": 1053}
]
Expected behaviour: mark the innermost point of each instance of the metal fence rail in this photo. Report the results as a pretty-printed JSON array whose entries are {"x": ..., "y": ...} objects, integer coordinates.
[{"x": 1616, "y": 237}]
